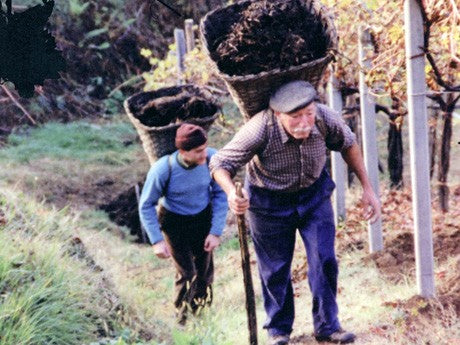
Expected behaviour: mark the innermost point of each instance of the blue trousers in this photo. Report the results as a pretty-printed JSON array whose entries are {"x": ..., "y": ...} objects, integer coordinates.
[{"x": 274, "y": 218}]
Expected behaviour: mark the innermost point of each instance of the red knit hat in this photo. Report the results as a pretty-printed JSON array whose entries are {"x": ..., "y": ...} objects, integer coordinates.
[{"x": 189, "y": 136}]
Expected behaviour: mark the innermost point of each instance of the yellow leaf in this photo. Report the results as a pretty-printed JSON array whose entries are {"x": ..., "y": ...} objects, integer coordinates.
[
  {"x": 146, "y": 52},
  {"x": 395, "y": 33}
]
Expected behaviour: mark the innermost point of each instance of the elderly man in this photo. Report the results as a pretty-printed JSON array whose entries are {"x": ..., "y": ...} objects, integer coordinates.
[
  {"x": 288, "y": 189},
  {"x": 191, "y": 216}
]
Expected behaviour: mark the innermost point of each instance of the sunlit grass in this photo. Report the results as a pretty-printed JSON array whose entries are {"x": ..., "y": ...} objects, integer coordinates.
[
  {"x": 102, "y": 143},
  {"x": 44, "y": 299},
  {"x": 363, "y": 292}
]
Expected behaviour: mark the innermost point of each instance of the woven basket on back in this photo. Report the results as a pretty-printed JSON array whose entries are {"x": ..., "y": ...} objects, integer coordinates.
[
  {"x": 251, "y": 92},
  {"x": 160, "y": 141}
]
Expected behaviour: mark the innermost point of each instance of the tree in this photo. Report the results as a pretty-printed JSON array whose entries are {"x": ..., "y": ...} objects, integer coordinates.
[
  {"x": 28, "y": 52},
  {"x": 441, "y": 31},
  {"x": 387, "y": 76},
  {"x": 349, "y": 15}
]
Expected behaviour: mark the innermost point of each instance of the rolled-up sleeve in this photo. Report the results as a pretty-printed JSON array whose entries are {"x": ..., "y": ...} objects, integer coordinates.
[
  {"x": 244, "y": 145},
  {"x": 219, "y": 209}
]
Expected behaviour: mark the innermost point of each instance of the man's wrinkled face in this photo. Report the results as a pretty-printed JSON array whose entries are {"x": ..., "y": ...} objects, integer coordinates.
[
  {"x": 195, "y": 156},
  {"x": 299, "y": 123}
]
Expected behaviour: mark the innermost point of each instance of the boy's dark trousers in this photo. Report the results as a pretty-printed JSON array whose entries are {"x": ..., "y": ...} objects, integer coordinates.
[{"x": 185, "y": 236}]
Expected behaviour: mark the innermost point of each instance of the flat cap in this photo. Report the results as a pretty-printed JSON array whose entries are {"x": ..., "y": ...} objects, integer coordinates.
[{"x": 292, "y": 96}]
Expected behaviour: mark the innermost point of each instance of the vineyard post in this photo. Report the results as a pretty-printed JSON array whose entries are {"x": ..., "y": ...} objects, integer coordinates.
[
  {"x": 371, "y": 158},
  {"x": 189, "y": 35},
  {"x": 337, "y": 162},
  {"x": 419, "y": 153},
  {"x": 179, "y": 38}
]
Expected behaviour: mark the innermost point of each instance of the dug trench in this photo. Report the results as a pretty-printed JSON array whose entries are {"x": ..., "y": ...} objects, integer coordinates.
[{"x": 123, "y": 210}]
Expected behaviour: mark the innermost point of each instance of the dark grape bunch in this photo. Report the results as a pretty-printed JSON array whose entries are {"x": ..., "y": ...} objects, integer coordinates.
[
  {"x": 28, "y": 53},
  {"x": 268, "y": 35}
]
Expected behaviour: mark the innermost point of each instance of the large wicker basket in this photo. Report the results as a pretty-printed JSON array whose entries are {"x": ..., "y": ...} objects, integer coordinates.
[
  {"x": 160, "y": 141},
  {"x": 251, "y": 92}
]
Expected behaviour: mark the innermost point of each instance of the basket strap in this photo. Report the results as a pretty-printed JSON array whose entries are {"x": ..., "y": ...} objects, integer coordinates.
[
  {"x": 165, "y": 188},
  {"x": 319, "y": 122},
  {"x": 270, "y": 123}
]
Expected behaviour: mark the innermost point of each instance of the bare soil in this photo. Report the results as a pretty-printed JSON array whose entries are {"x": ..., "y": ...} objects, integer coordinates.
[
  {"x": 397, "y": 260},
  {"x": 123, "y": 211}
]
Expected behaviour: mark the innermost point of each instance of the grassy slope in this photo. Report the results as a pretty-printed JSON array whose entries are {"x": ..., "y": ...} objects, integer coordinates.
[
  {"x": 46, "y": 295},
  {"x": 36, "y": 240}
]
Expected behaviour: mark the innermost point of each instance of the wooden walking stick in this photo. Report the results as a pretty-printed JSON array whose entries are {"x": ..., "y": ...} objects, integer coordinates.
[{"x": 246, "y": 266}]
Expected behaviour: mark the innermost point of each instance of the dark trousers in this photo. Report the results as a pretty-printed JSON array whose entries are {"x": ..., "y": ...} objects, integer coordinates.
[
  {"x": 274, "y": 219},
  {"x": 194, "y": 266}
]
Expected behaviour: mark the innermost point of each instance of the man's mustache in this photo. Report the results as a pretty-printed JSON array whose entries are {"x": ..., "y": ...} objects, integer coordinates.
[{"x": 302, "y": 130}]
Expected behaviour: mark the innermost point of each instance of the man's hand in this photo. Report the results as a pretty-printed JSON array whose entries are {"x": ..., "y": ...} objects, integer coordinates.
[
  {"x": 161, "y": 250},
  {"x": 211, "y": 242},
  {"x": 236, "y": 203},
  {"x": 371, "y": 206}
]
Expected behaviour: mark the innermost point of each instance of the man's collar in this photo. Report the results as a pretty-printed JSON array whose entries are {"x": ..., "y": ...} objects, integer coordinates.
[
  {"x": 183, "y": 163},
  {"x": 284, "y": 135}
]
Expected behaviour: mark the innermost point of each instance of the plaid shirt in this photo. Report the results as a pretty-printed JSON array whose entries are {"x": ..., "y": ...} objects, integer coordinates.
[{"x": 276, "y": 160}]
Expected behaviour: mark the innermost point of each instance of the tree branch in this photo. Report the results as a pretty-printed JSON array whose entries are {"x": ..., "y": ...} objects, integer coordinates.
[
  {"x": 348, "y": 90},
  {"x": 438, "y": 75},
  {"x": 451, "y": 106},
  {"x": 426, "y": 43},
  {"x": 379, "y": 107},
  {"x": 19, "y": 105},
  {"x": 349, "y": 110},
  {"x": 438, "y": 99}
]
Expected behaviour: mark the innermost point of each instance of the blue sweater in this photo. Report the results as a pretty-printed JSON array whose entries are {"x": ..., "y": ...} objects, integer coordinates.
[{"x": 189, "y": 192}]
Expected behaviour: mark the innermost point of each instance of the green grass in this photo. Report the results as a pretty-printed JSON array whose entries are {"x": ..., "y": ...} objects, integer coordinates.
[
  {"x": 41, "y": 303},
  {"x": 49, "y": 293},
  {"x": 45, "y": 298},
  {"x": 38, "y": 275},
  {"x": 230, "y": 245},
  {"x": 81, "y": 141},
  {"x": 70, "y": 163}
]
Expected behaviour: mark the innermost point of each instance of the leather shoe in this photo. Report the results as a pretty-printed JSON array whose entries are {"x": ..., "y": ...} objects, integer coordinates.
[
  {"x": 279, "y": 339},
  {"x": 338, "y": 337}
]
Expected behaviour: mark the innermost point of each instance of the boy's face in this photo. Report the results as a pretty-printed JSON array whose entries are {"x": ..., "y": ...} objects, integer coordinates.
[{"x": 195, "y": 156}]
